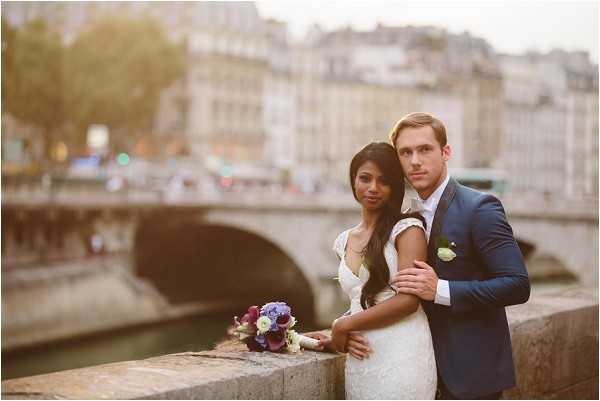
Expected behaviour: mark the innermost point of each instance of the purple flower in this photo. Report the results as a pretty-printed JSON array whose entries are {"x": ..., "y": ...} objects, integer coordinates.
[
  {"x": 253, "y": 345},
  {"x": 251, "y": 317},
  {"x": 275, "y": 309},
  {"x": 284, "y": 321},
  {"x": 261, "y": 340},
  {"x": 276, "y": 340}
]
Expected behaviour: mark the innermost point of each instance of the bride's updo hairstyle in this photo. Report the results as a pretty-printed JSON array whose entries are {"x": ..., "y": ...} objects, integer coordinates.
[{"x": 384, "y": 156}]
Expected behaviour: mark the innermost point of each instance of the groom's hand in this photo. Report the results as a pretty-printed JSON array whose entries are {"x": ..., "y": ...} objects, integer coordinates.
[{"x": 419, "y": 280}]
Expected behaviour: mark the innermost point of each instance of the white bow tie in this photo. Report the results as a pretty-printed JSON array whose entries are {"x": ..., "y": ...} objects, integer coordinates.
[{"x": 416, "y": 205}]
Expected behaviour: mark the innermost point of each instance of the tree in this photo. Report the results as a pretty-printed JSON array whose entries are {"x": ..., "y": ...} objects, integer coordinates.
[
  {"x": 116, "y": 71},
  {"x": 32, "y": 77},
  {"x": 8, "y": 44}
]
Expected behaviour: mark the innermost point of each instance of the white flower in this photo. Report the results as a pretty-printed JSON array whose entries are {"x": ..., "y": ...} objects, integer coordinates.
[
  {"x": 293, "y": 341},
  {"x": 263, "y": 324},
  {"x": 446, "y": 254}
]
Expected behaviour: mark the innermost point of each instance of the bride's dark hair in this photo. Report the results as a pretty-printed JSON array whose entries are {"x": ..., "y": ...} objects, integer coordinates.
[{"x": 384, "y": 156}]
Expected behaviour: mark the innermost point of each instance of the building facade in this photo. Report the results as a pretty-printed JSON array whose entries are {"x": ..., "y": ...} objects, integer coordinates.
[
  {"x": 550, "y": 142},
  {"x": 250, "y": 95}
]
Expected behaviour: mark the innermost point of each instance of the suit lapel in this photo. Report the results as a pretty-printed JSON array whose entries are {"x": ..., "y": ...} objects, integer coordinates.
[{"x": 438, "y": 218}]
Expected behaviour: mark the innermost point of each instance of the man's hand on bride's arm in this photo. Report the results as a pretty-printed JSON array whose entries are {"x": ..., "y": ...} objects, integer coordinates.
[{"x": 420, "y": 280}]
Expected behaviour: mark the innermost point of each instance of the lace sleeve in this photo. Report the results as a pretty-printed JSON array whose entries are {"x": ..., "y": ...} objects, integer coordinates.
[
  {"x": 337, "y": 246},
  {"x": 403, "y": 225}
]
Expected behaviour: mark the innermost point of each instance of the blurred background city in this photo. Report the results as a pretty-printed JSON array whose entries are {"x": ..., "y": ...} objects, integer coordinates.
[{"x": 177, "y": 161}]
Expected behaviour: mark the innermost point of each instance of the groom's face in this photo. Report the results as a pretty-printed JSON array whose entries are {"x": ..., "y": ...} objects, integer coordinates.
[{"x": 423, "y": 158}]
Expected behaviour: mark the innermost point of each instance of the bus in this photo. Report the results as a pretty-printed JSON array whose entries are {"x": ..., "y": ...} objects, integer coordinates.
[{"x": 482, "y": 179}]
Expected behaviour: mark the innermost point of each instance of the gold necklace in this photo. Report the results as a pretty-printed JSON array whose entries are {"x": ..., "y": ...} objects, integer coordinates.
[
  {"x": 362, "y": 252},
  {"x": 356, "y": 252}
]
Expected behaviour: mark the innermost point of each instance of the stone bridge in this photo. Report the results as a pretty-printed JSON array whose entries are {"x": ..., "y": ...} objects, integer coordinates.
[
  {"x": 555, "y": 350},
  {"x": 268, "y": 246}
]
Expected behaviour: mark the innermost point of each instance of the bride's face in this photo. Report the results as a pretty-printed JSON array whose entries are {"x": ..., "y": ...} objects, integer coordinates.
[{"x": 372, "y": 188}]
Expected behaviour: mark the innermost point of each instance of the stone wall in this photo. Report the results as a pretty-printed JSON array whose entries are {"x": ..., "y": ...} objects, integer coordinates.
[
  {"x": 555, "y": 346},
  {"x": 43, "y": 305},
  {"x": 555, "y": 341}
]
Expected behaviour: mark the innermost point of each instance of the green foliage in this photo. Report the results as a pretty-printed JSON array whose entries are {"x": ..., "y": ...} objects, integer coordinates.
[
  {"x": 441, "y": 242},
  {"x": 432, "y": 43},
  {"x": 8, "y": 44},
  {"x": 116, "y": 70},
  {"x": 112, "y": 74},
  {"x": 32, "y": 75}
]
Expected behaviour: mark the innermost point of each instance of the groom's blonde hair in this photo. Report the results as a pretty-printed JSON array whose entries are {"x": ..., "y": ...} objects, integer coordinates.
[{"x": 416, "y": 120}]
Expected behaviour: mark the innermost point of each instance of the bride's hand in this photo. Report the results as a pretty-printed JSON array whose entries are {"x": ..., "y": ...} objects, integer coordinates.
[
  {"x": 358, "y": 345},
  {"x": 339, "y": 334}
]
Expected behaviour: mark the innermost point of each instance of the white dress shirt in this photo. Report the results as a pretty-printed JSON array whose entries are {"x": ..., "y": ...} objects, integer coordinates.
[{"x": 428, "y": 208}]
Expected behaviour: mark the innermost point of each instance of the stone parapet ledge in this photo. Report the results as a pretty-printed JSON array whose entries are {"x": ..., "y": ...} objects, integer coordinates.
[
  {"x": 231, "y": 372},
  {"x": 555, "y": 345}
]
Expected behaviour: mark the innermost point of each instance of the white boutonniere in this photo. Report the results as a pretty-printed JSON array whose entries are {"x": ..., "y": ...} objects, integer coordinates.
[{"x": 444, "y": 249}]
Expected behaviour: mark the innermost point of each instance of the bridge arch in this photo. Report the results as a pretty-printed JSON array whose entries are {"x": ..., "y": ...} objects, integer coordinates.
[
  {"x": 570, "y": 241},
  {"x": 192, "y": 260}
]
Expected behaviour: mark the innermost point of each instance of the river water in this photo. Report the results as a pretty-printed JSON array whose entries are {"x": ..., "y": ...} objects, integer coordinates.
[
  {"x": 195, "y": 333},
  {"x": 190, "y": 334}
]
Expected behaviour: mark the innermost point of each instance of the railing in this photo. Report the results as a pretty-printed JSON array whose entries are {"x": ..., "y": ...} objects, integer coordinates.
[
  {"x": 90, "y": 197},
  {"x": 86, "y": 197},
  {"x": 555, "y": 348}
]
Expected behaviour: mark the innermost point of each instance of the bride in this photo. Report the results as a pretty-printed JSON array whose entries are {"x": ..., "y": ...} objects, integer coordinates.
[{"x": 402, "y": 363}]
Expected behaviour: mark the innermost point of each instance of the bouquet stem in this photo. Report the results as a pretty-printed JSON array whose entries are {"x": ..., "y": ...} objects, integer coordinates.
[{"x": 309, "y": 343}]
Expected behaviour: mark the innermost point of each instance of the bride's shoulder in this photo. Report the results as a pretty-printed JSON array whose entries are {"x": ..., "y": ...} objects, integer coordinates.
[
  {"x": 338, "y": 244},
  {"x": 340, "y": 240},
  {"x": 403, "y": 224}
]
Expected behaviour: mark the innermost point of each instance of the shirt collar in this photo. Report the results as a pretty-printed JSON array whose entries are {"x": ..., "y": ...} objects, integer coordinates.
[{"x": 432, "y": 201}]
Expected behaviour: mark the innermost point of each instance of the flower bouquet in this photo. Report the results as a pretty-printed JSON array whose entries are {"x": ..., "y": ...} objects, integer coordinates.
[{"x": 270, "y": 329}]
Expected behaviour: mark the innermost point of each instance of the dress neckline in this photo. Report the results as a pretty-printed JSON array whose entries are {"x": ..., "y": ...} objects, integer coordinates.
[{"x": 362, "y": 266}]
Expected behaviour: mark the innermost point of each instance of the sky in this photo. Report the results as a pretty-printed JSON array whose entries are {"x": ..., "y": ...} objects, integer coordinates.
[{"x": 509, "y": 26}]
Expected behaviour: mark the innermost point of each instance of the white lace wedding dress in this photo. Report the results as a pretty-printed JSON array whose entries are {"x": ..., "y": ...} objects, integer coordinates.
[{"x": 401, "y": 364}]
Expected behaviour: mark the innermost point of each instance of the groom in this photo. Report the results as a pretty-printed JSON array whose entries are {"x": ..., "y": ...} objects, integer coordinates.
[{"x": 464, "y": 291}]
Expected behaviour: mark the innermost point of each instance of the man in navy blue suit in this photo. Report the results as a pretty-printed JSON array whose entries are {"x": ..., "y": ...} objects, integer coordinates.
[{"x": 474, "y": 267}]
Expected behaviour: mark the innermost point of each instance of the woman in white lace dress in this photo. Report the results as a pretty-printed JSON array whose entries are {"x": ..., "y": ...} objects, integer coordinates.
[{"x": 401, "y": 364}]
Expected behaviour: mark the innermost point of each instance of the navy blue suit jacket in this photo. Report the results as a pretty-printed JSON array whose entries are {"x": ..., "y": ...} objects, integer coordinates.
[{"x": 471, "y": 337}]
